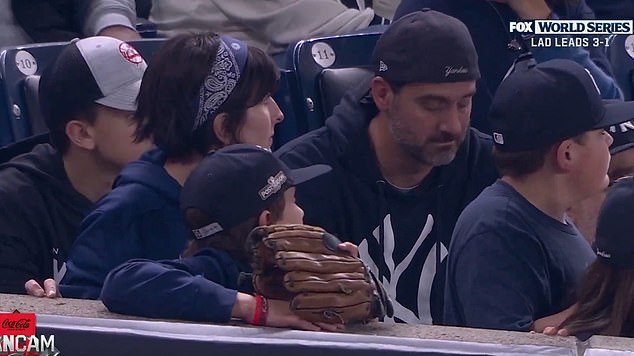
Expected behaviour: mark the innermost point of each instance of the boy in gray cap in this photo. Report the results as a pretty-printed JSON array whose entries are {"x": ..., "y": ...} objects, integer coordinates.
[{"x": 88, "y": 96}]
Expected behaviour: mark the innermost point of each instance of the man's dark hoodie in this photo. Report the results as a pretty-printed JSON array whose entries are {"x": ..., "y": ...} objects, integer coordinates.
[
  {"x": 40, "y": 214},
  {"x": 397, "y": 230}
]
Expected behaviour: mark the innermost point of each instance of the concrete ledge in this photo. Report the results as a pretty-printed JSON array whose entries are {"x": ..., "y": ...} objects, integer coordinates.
[
  {"x": 78, "y": 318},
  {"x": 599, "y": 345}
]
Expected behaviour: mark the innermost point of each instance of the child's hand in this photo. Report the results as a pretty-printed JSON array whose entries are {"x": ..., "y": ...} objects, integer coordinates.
[
  {"x": 553, "y": 331},
  {"x": 278, "y": 314},
  {"x": 49, "y": 290}
]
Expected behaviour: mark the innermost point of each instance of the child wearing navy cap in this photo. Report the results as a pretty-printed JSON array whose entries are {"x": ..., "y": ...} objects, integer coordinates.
[{"x": 231, "y": 192}]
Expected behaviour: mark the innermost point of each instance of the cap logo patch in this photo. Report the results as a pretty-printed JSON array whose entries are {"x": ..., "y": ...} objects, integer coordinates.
[
  {"x": 207, "y": 230},
  {"x": 498, "y": 138},
  {"x": 382, "y": 66},
  {"x": 130, "y": 53},
  {"x": 451, "y": 70},
  {"x": 274, "y": 184}
]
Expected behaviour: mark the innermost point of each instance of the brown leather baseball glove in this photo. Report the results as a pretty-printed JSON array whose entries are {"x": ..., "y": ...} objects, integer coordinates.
[{"x": 303, "y": 264}]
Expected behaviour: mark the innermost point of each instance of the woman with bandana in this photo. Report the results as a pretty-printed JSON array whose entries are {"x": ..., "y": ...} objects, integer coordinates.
[{"x": 202, "y": 92}]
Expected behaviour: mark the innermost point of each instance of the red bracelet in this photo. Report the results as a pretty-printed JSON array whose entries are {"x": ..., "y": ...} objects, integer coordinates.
[{"x": 261, "y": 310}]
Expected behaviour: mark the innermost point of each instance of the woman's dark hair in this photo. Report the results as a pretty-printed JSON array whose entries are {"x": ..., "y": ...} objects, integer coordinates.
[
  {"x": 169, "y": 92},
  {"x": 604, "y": 302},
  {"x": 232, "y": 241}
]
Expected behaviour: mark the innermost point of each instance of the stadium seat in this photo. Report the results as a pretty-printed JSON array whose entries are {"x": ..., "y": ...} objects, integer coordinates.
[
  {"x": 287, "y": 129},
  {"x": 148, "y": 46},
  {"x": 17, "y": 64},
  {"x": 621, "y": 56},
  {"x": 146, "y": 28},
  {"x": 333, "y": 84},
  {"x": 21, "y": 123},
  {"x": 324, "y": 68}
]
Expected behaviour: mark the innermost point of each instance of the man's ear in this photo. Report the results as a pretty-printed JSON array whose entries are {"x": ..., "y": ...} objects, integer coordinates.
[
  {"x": 265, "y": 218},
  {"x": 218, "y": 126},
  {"x": 382, "y": 93},
  {"x": 81, "y": 134}
]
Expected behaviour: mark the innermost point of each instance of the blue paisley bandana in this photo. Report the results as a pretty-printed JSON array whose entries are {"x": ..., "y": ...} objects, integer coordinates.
[{"x": 221, "y": 79}]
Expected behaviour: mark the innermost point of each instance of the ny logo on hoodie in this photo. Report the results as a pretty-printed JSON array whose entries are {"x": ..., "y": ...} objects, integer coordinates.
[
  {"x": 58, "y": 271},
  {"x": 396, "y": 271}
]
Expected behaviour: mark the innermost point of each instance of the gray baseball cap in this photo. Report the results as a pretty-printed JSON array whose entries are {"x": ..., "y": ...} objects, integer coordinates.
[{"x": 98, "y": 69}]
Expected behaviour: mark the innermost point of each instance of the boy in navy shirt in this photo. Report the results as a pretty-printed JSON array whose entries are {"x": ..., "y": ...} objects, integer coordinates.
[{"x": 514, "y": 256}]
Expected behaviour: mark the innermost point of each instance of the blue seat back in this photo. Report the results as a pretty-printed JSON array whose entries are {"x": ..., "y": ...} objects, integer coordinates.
[
  {"x": 16, "y": 64},
  {"x": 310, "y": 58}
]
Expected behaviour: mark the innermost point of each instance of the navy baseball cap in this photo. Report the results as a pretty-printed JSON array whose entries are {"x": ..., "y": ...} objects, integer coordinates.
[
  {"x": 426, "y": 47},
  {"x": 540, "y": 105},
  {"x": 234, "y": 183},
  {"x": 614, "y": 242}
]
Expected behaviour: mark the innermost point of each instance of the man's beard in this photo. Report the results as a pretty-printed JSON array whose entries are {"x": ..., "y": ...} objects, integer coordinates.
[{"x": 425, "y": 152}]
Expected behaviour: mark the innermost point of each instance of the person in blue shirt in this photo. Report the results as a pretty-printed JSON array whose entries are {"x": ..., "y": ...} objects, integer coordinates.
[
  {"x": 515, "y": 258},
  {"x": 488, "y": 22},
  {"x": 221, "y": 202},
  {"x": 200, "y": 93}
]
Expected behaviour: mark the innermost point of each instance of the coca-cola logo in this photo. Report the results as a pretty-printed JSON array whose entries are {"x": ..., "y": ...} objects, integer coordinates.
[{"x": 19, "y": 324}]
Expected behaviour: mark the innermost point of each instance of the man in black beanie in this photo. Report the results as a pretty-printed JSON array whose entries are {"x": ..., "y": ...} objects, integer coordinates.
[{"x": 405, "y": 162}]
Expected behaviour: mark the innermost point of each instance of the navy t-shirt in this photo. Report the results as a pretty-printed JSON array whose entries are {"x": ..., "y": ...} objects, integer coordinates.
[{"x": 510, "y": 264}]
